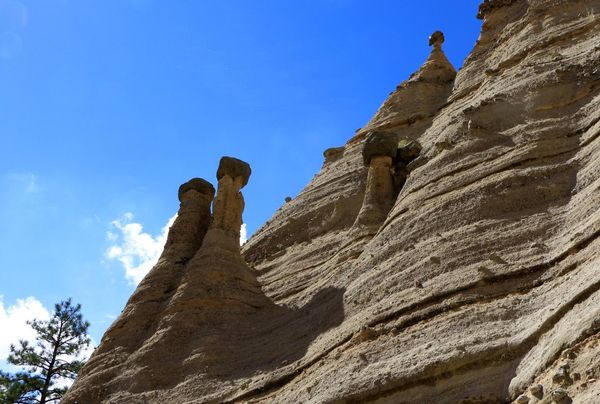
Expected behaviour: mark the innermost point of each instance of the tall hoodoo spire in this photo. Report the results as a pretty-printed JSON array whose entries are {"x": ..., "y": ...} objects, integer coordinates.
[
  {"x": 379, "y": 153},
  {"x": 183, "y": 241},
  {"x": 144, "y": 309},
  {"x": 233, "y": 174},
  {"x": 193, "y": 218},
  {"x": 408, "y": 110}
]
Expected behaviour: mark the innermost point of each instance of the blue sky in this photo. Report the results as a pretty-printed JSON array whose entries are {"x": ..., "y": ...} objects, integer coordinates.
[{"x": 107, "y": 106}]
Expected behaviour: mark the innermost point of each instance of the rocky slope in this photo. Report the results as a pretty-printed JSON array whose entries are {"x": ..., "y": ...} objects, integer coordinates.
[{"x": 470, "y": 273}]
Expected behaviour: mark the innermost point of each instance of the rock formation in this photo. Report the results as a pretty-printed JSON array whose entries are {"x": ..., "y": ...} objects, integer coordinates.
[
  {"x": 379, "y": 152},
  {"x": 138, "y": 319},
  {"x": 233, "y": 175},
  {"x": 478, "y": 280}
]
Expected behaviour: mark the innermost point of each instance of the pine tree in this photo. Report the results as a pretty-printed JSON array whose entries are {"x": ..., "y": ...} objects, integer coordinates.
[{"x": 59, "y": 341}]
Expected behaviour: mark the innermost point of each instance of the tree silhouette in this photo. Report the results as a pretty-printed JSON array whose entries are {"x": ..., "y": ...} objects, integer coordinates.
[{"x": 59, "y": 341}]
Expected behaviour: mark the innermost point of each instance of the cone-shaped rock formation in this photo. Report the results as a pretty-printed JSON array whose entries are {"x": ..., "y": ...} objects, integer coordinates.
[
  {"x": 138, "y": 320},
  {"x": 478, "y": 280},
  {"x": 418, "y": 98},
  {"x": 207, "y": 320}
]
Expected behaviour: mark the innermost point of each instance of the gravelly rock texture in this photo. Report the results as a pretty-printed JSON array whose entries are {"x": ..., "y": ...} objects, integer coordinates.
[{"x": 481, "y": 284}]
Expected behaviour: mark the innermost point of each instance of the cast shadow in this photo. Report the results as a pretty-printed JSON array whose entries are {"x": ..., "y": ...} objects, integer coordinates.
[{"x": 272, "y": 337}]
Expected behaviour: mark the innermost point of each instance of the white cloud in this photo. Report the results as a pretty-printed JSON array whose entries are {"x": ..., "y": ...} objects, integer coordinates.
[
  {"x": 13, "y": 322},
  {"x": 135, "y": 249},
  {"x": 243, "y": 234}
]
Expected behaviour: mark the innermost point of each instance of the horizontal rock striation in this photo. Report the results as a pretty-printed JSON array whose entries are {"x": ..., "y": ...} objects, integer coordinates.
[{"x": 477, "y": 282}]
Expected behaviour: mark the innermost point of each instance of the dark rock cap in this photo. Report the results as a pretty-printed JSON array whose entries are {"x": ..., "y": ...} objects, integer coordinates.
[
  {"x": 408, "y": 150},
  {"x": 436, "y": 38},
  {"x": 197, "y": 184},
  {"x": 333, "y": 153},
  {"x": 380, "y": 144},
  {"x": 234, "y": 168}
]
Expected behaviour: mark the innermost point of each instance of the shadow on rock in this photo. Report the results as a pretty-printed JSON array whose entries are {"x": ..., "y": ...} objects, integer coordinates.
[{"x": 270, "y": 338}]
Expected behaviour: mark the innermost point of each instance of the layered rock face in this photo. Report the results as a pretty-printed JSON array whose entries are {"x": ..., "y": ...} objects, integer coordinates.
[{"x": 463, "y": 266}]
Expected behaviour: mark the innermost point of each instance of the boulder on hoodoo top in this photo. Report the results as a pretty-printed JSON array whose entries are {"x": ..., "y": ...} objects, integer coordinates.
[
  {"x": 436, "y": 39},
  {"x": 415, "y": 101},
  {"x": 408, "y": 150},
  {"x": 379, "y": 144},
  {"x": 437, "y": 67},
  {"x": 333, "y": 153},
  {"x": 197, "y": 184},
  {"x": 234, "y": 168}
]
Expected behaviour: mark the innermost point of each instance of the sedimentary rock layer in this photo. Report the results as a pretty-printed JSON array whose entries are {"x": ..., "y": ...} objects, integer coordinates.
[{"x": 482, "y": 282}]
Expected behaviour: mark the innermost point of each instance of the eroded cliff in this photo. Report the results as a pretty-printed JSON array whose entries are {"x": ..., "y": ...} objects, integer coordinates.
[{"x": 463, "y": 265}]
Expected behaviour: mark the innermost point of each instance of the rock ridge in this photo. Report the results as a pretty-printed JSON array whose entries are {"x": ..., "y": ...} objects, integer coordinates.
[{"x": 448, "y": 252}]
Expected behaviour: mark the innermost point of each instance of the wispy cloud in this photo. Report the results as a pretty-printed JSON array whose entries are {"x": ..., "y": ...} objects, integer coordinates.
[
  {"x": 138, "y": 251},
  {"x": 135, "y": 249}
]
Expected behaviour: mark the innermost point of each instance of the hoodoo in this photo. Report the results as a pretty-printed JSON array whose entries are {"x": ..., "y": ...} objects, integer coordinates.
[
  {"x": 141, "y": 314},
  {"x": 233, "y": 175},
  {"x": 478, "y": 280},
  {"x": 379, "y": 153},
  {"x": 409, "y": 109}
]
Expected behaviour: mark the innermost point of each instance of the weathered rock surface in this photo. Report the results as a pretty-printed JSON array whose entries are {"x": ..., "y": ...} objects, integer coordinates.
[{"x": 481, "y": 283}]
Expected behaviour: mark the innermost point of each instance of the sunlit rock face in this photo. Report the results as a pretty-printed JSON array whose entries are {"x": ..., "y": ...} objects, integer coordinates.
[{"x": 478, "y": 280}]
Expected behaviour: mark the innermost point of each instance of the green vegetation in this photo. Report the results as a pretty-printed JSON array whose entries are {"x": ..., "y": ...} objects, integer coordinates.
[{"x": 50, "y": 362}]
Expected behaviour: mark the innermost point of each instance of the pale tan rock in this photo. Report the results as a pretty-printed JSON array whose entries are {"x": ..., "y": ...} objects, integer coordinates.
[
  {"x": 193, "y": 218},
  {"x": 307, "y": 313},
  {"x": 409, "y": 109},
  {"x": 138, "y": 320},
  {"x": 537, "y": 390},
  {"x": 233, "y": 174},
  {"x": 522, "y": 399},
  {"x": 379, "y": 152},
  {"x": 333, "y": 154},
  {"x": 379, "y": 195},
  {"x": 559, "y": 396},
  {"x": 488, "y": 5}
]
